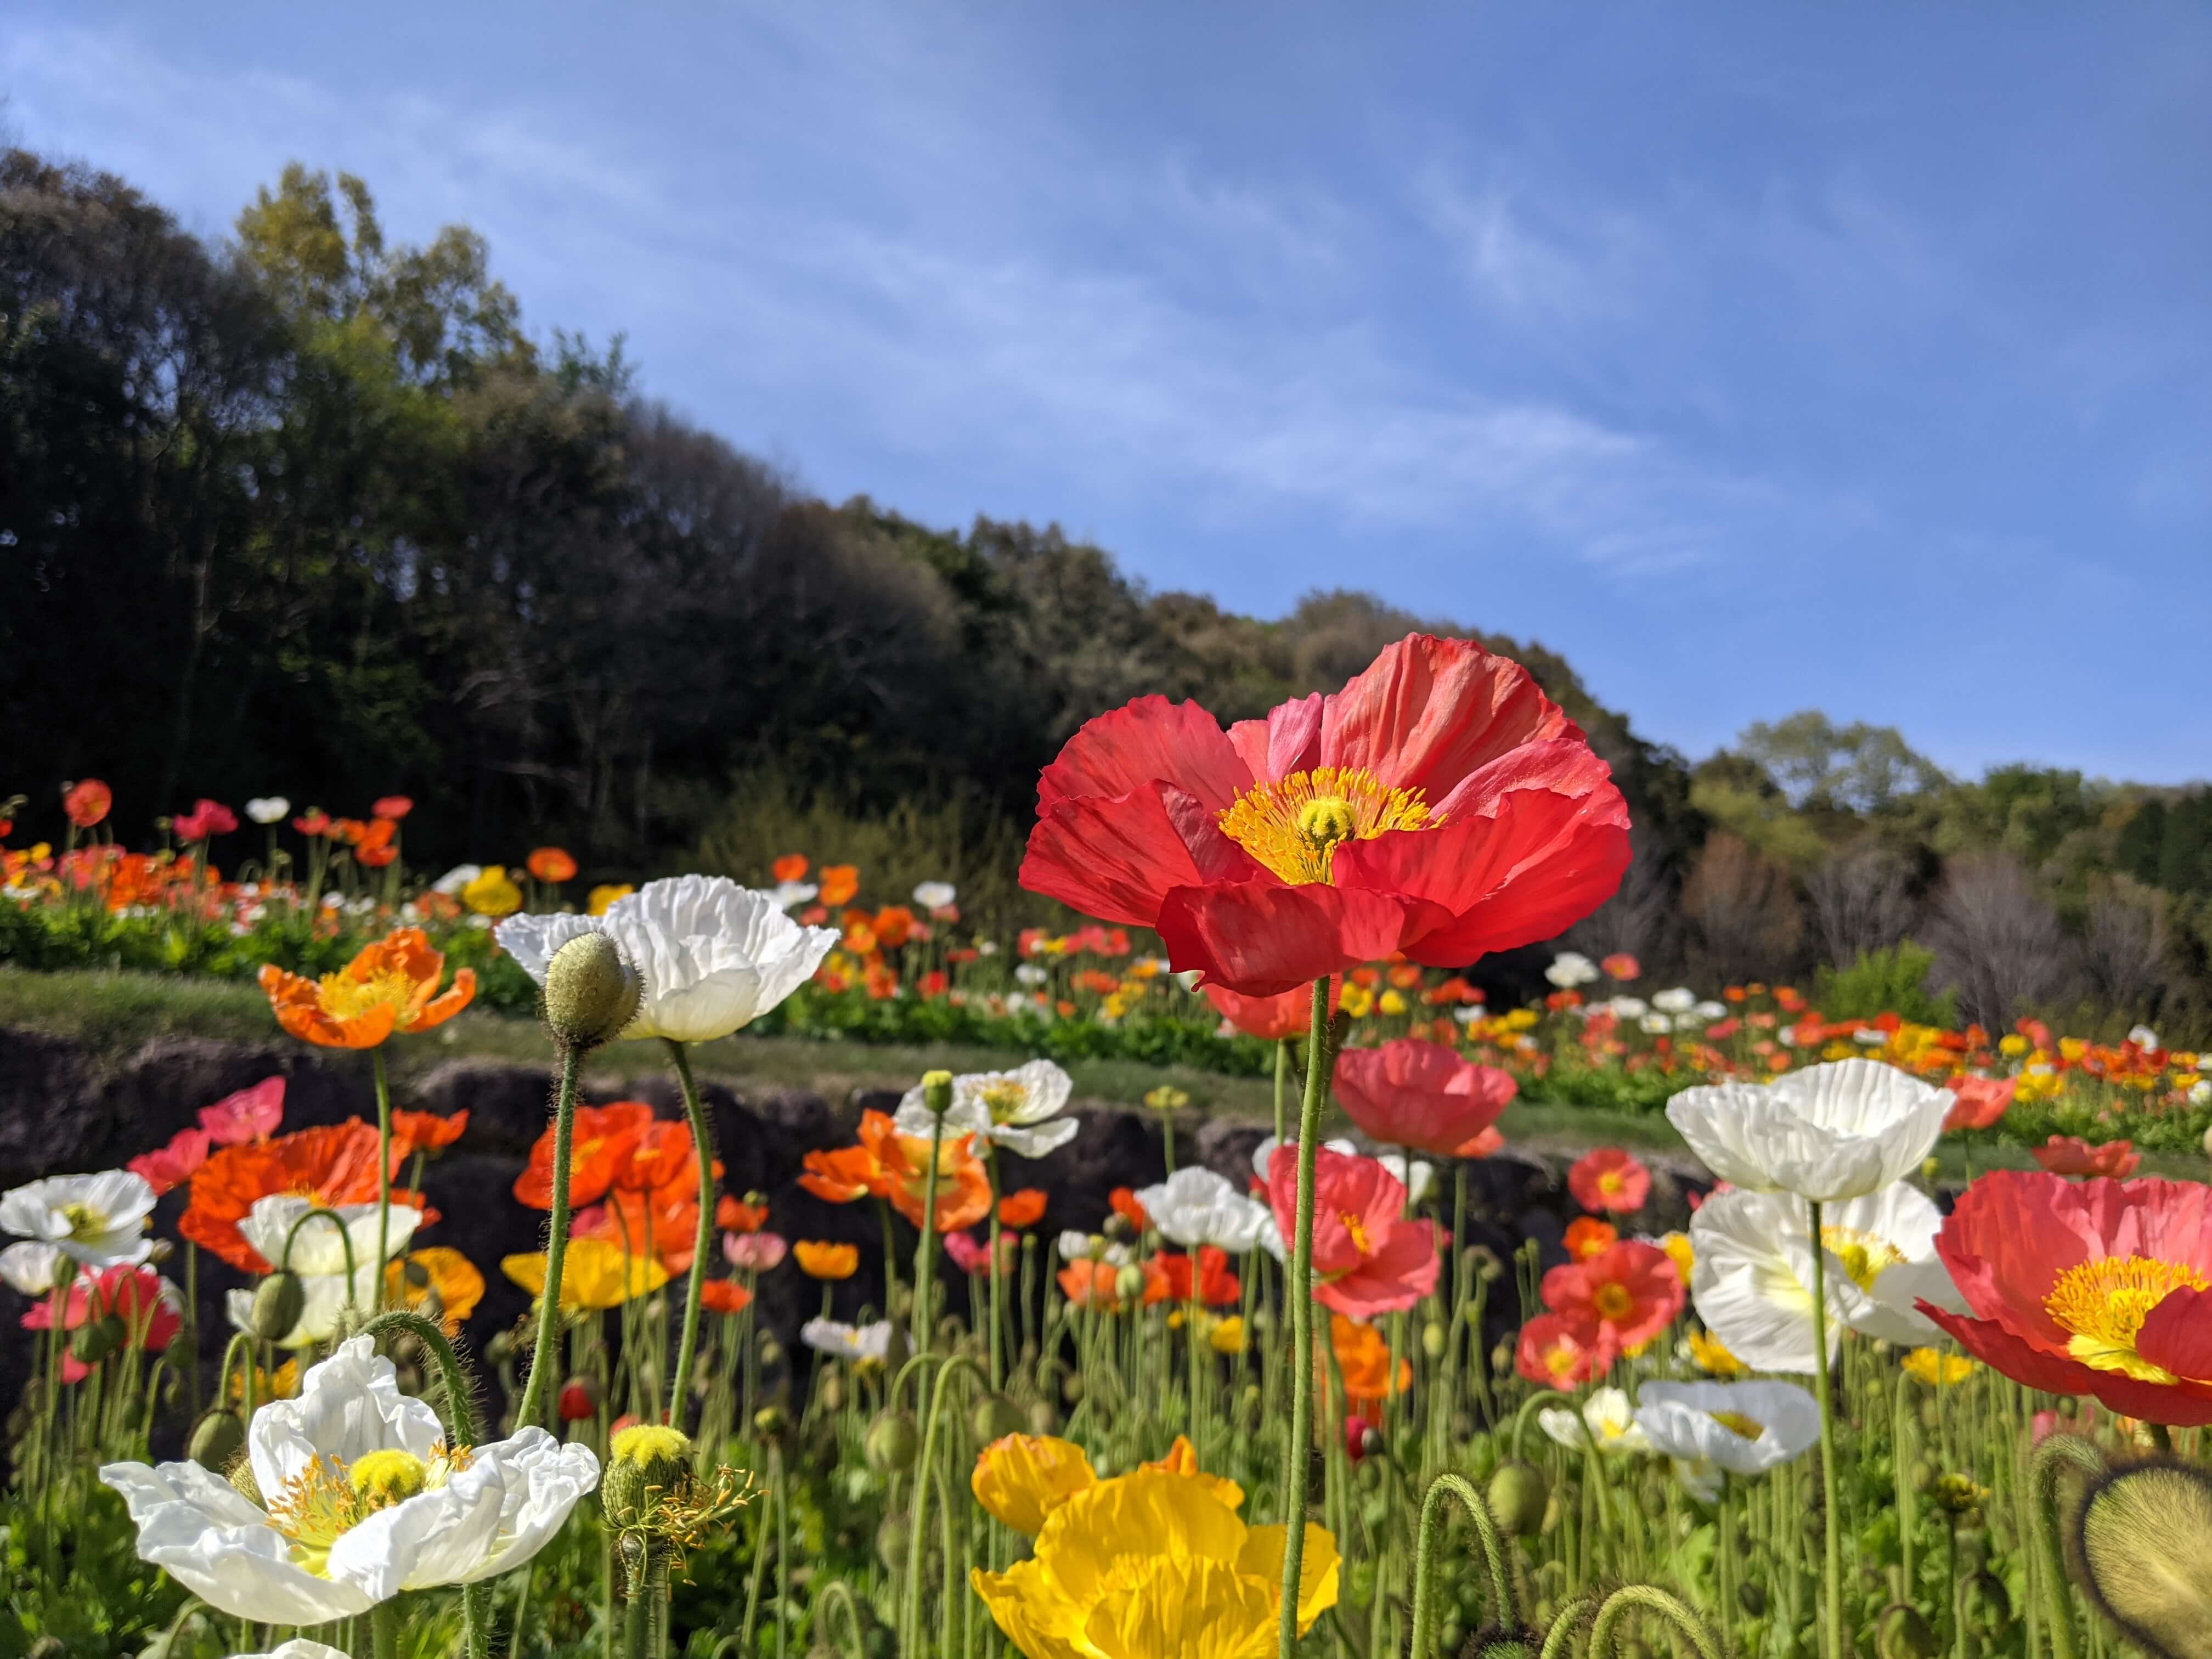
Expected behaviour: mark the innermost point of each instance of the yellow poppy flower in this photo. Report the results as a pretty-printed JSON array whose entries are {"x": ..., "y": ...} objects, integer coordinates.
[
  {"x": 1152, "y": 1565},
  {"x": 492, "y": 894},
  {"x": 1680, "y": 1252},
  {"x": 451, "y": 1274},
  {"x": 1023, "y": 1477},
  {"x": 596, "y": 1273},
  {"x": 605, "y": 894},
  {"x": 1938, "y": 1370}
]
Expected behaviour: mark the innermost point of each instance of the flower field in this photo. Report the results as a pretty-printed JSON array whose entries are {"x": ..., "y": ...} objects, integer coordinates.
[{"x": 1810, "y": 1406}]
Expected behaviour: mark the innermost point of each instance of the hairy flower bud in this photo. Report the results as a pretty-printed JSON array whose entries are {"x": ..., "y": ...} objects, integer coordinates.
[
  {"x": 1902, "y": 1633},
  {"x": 96, "y": 1339},
  {"x": 937, "y": 1092},
  {"x": 646, "y": 1463},
  {"x": 2144, "y": 1542},
  {"x": 278, "y": 1302},
  {"x": 217, "y": 1437},
  {"x": 893, "y": 1444},
  {"x": 1518, "y": 1492},
  {"x": 591, "y": 992}
]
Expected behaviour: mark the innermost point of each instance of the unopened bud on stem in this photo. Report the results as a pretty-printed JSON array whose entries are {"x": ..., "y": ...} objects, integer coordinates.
[{"x": 591, "y": 992}]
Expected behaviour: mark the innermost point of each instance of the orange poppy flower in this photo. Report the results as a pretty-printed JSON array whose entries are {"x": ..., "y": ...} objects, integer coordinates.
[
  {"x": 599, "y": 1151},
  {"x": 451, "y": 1274},
  {"x": 87, "y": 803},
  {"x": 791, "y": 866},
  {"x": 1364, "y": 1358},
  {"x": 374, "y": 837},
  {"x": 964, "y": 1187},
  {"x": 1091, "y": 1285},
  {"x": 733, "y": 1215},
  {"x": 724, "y": 1296},
  {"x": 847, "y": 1173},
  {"x": 1587, "y": 1236},
  {"x": 1123, "y": 1199},
  {"x": 894, "y": 926},
  {"x": 1024, "y": 1208},
  {"x": 551, "y": 864},
  {"x": 839, "y": 883},
  {"x": 818, "y": 1258},
  {"x": 430, "y": 1132},
  {"x": 334, "y": 1164},
  {"x": 664, "y": 1224},
  {"x": 391, "y": 986},
  {"x": 661, "y": 1157}
]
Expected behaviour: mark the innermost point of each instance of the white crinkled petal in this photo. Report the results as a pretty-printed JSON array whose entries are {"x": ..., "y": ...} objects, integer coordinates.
[
  {"x": 1751, "y": 1282},
  {"x": 195, "y": 1528},
  {"x": 298, "y": 1648},
  {"x": 318, "y": 1247},
  {"x": 542, "y": 1480},
  {"x": 348, "y": 1406},
  {"x": 30, "y": 1268},
  {"x": 711, "y": 1005},
  {"x": 531, "y": 940},
  {"x": 1562, "y": 1425},
  {"x": 1035, "y": 1141},
  {"x": 962, "y": 1117}
]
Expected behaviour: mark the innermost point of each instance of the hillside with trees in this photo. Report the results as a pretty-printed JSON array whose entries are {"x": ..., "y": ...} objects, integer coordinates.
[{"x": 312, "y": 512}]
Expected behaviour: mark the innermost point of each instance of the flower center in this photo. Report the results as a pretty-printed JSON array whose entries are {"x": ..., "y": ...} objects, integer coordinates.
[
  {"x": 84, "y": 1221},
  {"x": 1864, "y": 1256},
  {"x": 1295, "y": 825},
  {"x": 1610, "y": 1182},
  {"x": 1747, "y": 1428},
  {"x": 345, "y": 998},
  {"x": 330, "y": 1498},
  {"x": 1613, "y": 1302},
  {"x": 1004, "y": 1099},
  {"x": 1357, "y": 1229},
  {"x": 2104, "y": 1303},
  {"x": 1559, "y": 1358}
]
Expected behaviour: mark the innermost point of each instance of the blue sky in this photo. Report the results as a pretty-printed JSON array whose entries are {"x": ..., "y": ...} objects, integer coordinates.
[{"x": 1756, "y": 357}]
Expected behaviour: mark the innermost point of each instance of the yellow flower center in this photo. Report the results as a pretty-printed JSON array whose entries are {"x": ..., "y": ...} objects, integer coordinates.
[
  {"x": 650, "y": 1442},
  {"x": 1295, "y": 825},
  {"x": 1357, "y": 1229},
  {"x": 2104, "y": 1303},
  {"x": 1559, "y": 1358},
  {"x": 1003, "y": 1098},
  {"x": 1610, "y": 1182},
  {"x": 330, "y": 1498},
  {"x": 1736, "y": 1423},
  {"x": 345, "y": 998},
  {"x": 84, "y": 1221},
  {"x": 1865, "y": 1257},
  {"x": 1613, "y": 1302}
]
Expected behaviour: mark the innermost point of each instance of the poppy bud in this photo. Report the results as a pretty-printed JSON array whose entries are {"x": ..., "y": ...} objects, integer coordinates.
[
  {"x": 1902, "y": 1633},
  {"x": 501, "y": 1348},
  {"x": 1071, "y": 1387},
  {"x": 579, "y": 1397},
  {"x": 833, "y": 1392},
  {"x": 1129, "y": 1283},
  {"x": 893, "y": 1444},
  {"x": 591, "y": 992},
  {"x": 278, "y": 1302},
  {"x": 97, "y": 1339},
  {"x": 937, "y": 1092},
  {"x": 646, "y": 1463},
  {"x": 771, "y": 1422},
  {"x": 1042, "y": 1418},
  {"x": 892, "y": 1542},
  {"x": 996, "y": 1417},
  {"x": 2144, "y": 1540},
  {"x": 216, "y": 1438},
  {"x": 1355, "y": 1437},
  {"x": 1432, "y": 1340},
  {"x": 1517, "y": 1494}
]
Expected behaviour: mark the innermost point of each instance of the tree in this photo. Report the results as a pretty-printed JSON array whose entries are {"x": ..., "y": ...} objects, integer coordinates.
[{"x": 1857, "y": 767}]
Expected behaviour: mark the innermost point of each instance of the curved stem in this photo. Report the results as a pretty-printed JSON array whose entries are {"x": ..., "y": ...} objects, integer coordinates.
[
  {"x": 345, "y": 1239},
  {"x": 835, "y": 1594},
  {"x": 1831, "y": 1578},
  {"x": 1625, "y": 1603},
  {"x": 383, "y": 1176},
  {"x": 1299, "y": 1295},
  {"x": 538, "y": 1391},
  {"x": 460, "y": 1411},
  {"x": 703, "y": 1145},
  {"x": 2051, "y": 1458},
  {"x": 910, "y": 1642},
  {"x": 1529, "y": 1407},
  {"x": 1505, "y": 1606},
  {"x": 1559, "y": 1640}
]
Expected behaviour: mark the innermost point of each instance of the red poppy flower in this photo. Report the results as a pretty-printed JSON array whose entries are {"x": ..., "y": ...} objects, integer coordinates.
[
  {"x": 1982, "y": 1102},
  {"x": 1587, "y": 1237},
  {"x": 208, "y": 818},
  {"x": 315, "y": 823},
  {"x": 1560, "y": 1351},
  {"x": 551, "y": 864},
  {"x": 1024, "y": 1208},
  {"x": 86, "y": 803},
  {"x": 249, "y": 1114},
  {"x": 1622, "y": 966},
  {"x": 2103, "y": 1289},
  {"x": 1270, "y": 1018},
  {"x": 1367, "y": 1257},
  {"x": 1610, "y": 1179},
  {"x": 601, "y": 1141},
  {"x": 579, "y": 1397},
  {"x": 167, "y": 1168},
  {"x": 733, "y": 1215},
  {"x": 724, "y": 1296},
  {"x": 1124, "y": 1203},
  {"x": 1440, "y": 805},
  {"x": 1167, "y": 1278},
  {"x": 2070, "y": 1155},
  {"x": 791, "y": 866},
  {"x": 376, "y": 857},
  {"x": 430, "y": 1132},
  {"x": 1632, "y": 1290},
  {"x": 1422, "y": 1095},
  {"x": 394, "y": 807},
  {"x": 334, "y": 1165}
]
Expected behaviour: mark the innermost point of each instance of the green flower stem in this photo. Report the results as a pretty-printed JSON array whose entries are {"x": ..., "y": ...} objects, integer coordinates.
[
  {"x": 459, "y": 1413},
  {"x": 703, "y": 1146},
  {"x": 1504, "y": 1605},
  {"x": 538, "y": 1391},
  {"x": 1298, "y": 1294},
  {"x": 1559, "y": 1640},
  {"x": 997, "y": 1316},
  {"x": 2051, "y": 1458},
  {"x": 384, "y": 1630},
  {"x": 925, "y": 1255},
  {"x": 383, "y": 1174},
  {"x": 1629, "y": 1601},
  {"x": 910, "y": 1644},
  {"x": 1831, "y": 1579}
]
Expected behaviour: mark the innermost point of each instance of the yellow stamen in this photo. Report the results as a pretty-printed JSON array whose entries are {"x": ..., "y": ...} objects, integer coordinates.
[
  {"x": 1737, "y": 1424},
  {"x": 1613, "y": 1302},
  {"x": 1004, "y": 1099},
  {"x": 1865, "y": 1257},
  {"x": 382, "y": 1479},
  {"x": 84, "y": 1221},
  {"x": 2104, "y": 1303},
  {"x": 1357, "y": 1229},
  {"x": 1295, "y": 825},
  {"x": 345, "y": 998}
]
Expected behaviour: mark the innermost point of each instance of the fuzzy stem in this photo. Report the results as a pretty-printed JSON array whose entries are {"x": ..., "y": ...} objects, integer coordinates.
[
  {"x": 703, "y": 1146},
  {"x": 1831, "y": 1581},
  {"x": 538, "y": 1391},
  {"x": 2051, "y": 1458},
  {"x": 1299, "y": 1295},
  {"x": 1505, "y": 1606},
  {"x": 1625, "y": 1603}
]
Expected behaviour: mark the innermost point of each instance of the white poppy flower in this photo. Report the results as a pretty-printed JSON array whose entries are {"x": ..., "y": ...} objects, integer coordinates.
[
  {"x": 99, "y": 1219},
  {"x": 362, "y": 1497},
  {"x": 267, "y": 809},
  {"x": 1569, "y": 968},
  {"x": 1708, "y": 1011},
  {"x": 714, "y": 956},
  {"x": 1747, "y": 1428},
  {"x": 1630, "y": 1008},
  {"x": 935, "y": 895},
  {"x": 1841, "y": 1130},
  {"x": 32, "y": 1268},
  {"x": 1657, "y": 1025},
  {"x": 848, "y": 1341},
  {"x": 298, "y": 1648},
  {"x": 2142, "y": 1036},
  {"x": 460, "y": 876},
  {"x": 1031, "y": 974},
  {"x": 1870, "y": 1036},
  {"x": 1753, "y": 1281},
  {"x": 1700, "y": 1478},
  {"x": 1018, "y": 1109},
  {"x": 1678, "y": 1001},
  {"x": 1607, "y": 1422},
  {"x": 318, "y": 1257},
  {"x": 788, "y": 893},
  {"x": 1076, "y": 1246},
  {"x": 1195, "y": 1206},
  {"x": 2200, "y": 1092}
]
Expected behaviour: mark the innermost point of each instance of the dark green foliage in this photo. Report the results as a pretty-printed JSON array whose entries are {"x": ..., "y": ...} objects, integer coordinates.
[{"x": 1894, "y": 981}]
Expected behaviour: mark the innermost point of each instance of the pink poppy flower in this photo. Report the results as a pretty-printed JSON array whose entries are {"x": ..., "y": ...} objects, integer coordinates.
[
  {"x": 1367, "y": 1258},
  {"x": 1610, "y": 1179},
  {"x": 1422, "y": 1095},
  {"x": 249, "y": 1114},
  {"x": 1630, "y": 1290},
  {"x": 1560, "y": 1351},
  {"x": 754, "y": 1252},
  {"x": 167, "y": 1168},
  {"x": 2070, "y": 1155},
  {"x": 1982, "y": 1102}
]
